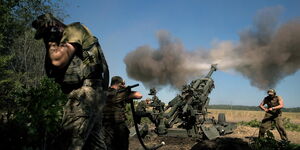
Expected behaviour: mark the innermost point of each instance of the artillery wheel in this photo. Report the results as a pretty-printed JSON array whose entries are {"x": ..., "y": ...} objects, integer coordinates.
[{"x": 221, "y": 118}]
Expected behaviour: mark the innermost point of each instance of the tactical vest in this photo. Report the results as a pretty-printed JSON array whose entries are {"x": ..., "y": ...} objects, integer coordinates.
[
  {"x": 87, "y": 63},
  {"x": 272, "y": 102},
  {"x": 114, "y": 110}
]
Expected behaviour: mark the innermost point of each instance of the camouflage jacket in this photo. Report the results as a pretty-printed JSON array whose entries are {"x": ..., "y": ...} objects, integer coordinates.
[{"x": 87, "y": 62}]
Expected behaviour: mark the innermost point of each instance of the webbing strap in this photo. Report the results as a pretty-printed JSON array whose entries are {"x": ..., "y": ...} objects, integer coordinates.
[{"x": 87, "y": 55}]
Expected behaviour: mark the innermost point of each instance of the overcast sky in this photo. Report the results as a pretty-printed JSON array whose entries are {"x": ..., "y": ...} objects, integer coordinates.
[{"x": 124, "y": 25}]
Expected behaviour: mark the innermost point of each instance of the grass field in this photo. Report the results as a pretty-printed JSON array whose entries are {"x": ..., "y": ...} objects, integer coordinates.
[{"x": 244, "y": 115}]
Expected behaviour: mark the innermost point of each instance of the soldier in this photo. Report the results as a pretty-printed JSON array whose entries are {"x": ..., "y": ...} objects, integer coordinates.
[
  {"x": 156, "y": 103},
  {"x": 273, "y": 114},
  {"x": 75, "y": 60},
  {"x": 115, "y": 129},
  {"x": 141, "y": 110},
  {"x": 142, "y": 105}
]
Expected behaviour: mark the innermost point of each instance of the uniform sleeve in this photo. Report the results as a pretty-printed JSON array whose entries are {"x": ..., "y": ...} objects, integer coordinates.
[
  {"x": 111, "y": 93},
  {"x": 73, "y": 33}
]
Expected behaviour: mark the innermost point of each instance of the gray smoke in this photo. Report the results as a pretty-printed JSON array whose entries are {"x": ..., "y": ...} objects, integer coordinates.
[
  {"x": 270, "y": 53},
  {"x": 162, "y": 66},
  {"x": 266, "y": 53}
]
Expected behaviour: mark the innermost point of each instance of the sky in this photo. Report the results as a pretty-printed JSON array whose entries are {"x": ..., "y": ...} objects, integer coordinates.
[{"x": 123, "y": 26}]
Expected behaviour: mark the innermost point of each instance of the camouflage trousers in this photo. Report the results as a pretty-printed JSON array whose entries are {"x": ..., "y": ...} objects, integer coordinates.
[
  {"x": 82, "y": 118},
  {"x": 266, "y": 124},
  {"x": 116, "y": 136}
]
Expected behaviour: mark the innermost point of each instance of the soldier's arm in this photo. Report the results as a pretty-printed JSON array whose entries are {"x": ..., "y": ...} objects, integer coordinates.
[
  {"x": 135, "y": 95},
  {"x": 60, "y": 55},
  {"x": 261, "y": 105},
  {"x": 280, "y": 104}
]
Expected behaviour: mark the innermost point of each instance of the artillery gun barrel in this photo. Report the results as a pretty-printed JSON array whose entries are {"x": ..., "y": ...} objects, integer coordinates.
[{"x": 212, "y": 69}]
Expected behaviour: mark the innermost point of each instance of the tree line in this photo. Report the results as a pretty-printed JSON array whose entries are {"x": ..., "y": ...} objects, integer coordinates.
[
  {"x": 254, "y": 108},
  {"x": 30, "y": 103}
]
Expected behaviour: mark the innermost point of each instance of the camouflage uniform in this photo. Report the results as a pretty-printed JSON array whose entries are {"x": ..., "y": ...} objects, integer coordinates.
[
  {"x": 82, "y": 81},
  {"x": 141, "y": 111},
  {"x": 142, "y": 106},
  {"x": 272, "y": 116},
  {"x": 115, "y": 128}
]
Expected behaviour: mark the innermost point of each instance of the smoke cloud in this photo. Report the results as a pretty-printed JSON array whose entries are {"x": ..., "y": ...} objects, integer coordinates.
[
  {"x": 266, "y": 53},
  {"x": 166, "y": 65}
]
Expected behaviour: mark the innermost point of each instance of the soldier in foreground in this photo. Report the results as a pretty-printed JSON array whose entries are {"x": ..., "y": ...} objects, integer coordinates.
[
  {"x": 75, "y": 60},
  {"x": 115, "y": 129},
  {"x": 273, "y": 114}
]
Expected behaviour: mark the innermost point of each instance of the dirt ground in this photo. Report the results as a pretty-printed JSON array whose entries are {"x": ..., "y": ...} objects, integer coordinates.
[
  {"x": 245, "y": 132},
  {"x": 237, "y": 140}
]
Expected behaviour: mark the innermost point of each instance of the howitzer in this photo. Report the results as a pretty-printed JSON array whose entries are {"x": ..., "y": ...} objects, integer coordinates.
[
  {"x": 189, "y": 108},
  {"x": 193, "y": 100}
]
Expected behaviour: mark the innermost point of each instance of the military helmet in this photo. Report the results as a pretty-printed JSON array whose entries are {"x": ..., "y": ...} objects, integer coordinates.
[
  {"x": 271, "y": 90},
  {"x": 152, "y": 91}
]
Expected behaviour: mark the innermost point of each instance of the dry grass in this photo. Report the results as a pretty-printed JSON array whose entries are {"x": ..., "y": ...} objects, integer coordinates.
[
  {"x": 244, "y": 115},
  {"x": 241, "y": 135}
]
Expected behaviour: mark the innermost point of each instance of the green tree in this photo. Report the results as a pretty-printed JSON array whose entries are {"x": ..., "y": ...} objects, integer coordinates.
[
  {"x": 30, "y": 105},
  {"x": 21, "y": 57},
  {"x": 36, "y": 121},
  {"x": 16, "y": 17}
]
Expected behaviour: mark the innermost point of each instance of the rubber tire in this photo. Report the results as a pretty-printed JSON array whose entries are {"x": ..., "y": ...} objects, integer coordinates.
[{"x": 221, "y": 118}]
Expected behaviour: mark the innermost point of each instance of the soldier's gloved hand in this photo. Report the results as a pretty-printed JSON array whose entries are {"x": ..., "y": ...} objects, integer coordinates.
[
  {"x": 46, "y": 20},
  {"x": 42, "y": 23}
]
